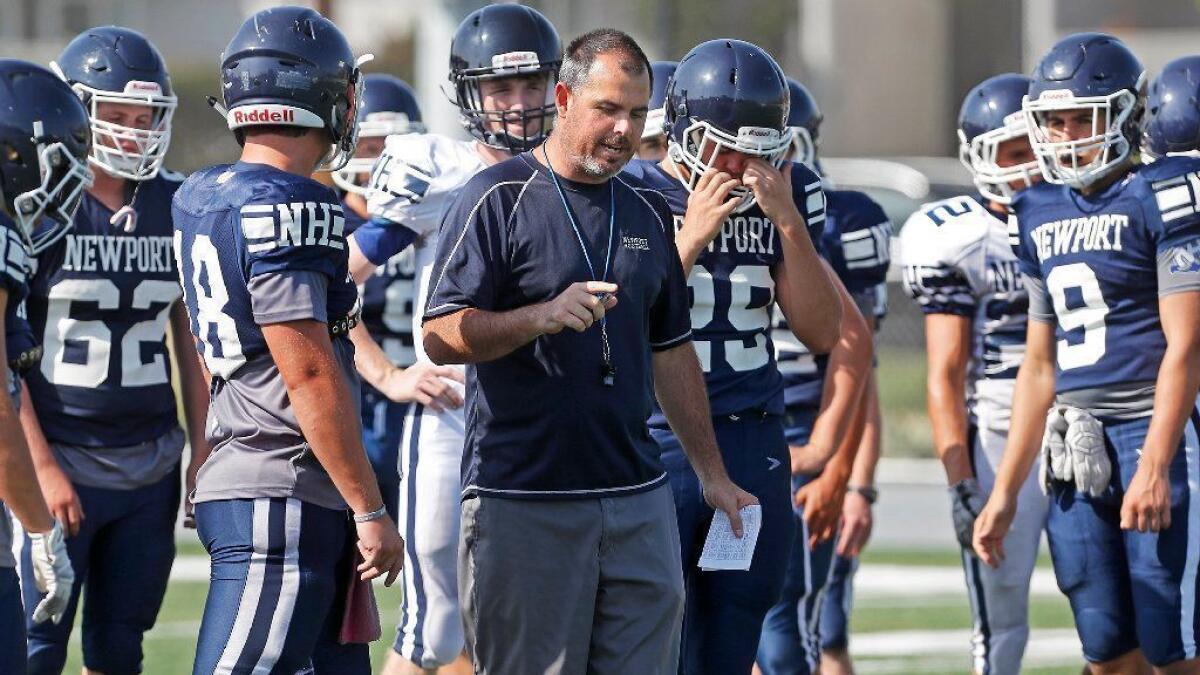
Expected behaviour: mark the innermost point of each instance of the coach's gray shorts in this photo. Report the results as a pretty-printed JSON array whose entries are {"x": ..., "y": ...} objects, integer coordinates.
[{"x": 573, "y": 586}]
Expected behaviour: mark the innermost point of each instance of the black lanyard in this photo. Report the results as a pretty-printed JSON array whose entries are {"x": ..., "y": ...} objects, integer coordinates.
[{"x": 608, "y": 372}]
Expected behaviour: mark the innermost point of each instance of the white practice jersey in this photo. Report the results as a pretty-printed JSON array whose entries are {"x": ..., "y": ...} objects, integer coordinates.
[
  {"x": 957, "y": 260},
  {"x": 421, "y": 175}
]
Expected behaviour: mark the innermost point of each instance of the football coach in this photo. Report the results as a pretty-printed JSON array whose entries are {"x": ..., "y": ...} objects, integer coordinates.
[{"x": 558, "y": 282}]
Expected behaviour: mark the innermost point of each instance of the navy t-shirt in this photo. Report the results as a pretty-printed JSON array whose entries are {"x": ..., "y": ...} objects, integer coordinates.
[{"x": 540, "y": 421}]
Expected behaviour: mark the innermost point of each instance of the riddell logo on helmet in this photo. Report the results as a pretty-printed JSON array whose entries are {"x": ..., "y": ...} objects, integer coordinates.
[
  {"x": 270, "y": 115},
  {"x": 1056, "y": 94},
  {"x": 140, "y": 87}
]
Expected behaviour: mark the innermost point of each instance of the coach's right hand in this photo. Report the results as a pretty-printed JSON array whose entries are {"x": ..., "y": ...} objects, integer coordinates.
[
  {"x": 62, "y": 499},
  {"x": 382, "y": 549},
  {"x": 581, "y": 305}
]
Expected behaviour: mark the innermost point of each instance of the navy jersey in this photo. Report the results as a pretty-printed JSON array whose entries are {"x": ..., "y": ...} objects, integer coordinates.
[
  {"x": 1103, "y": 261},
  {"x": 732, "y": 289},
  {"x": 15, "y": 263},
  {"x": 856, "y": 240},
  {"x": 257, "y": 246},
  {"x": 541, "y": 422},
  {"x": 388, "y": 299},
  {"x": 100, "y": 300}
]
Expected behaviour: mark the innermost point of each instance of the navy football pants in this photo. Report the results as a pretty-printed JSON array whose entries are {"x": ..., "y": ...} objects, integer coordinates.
[
  {"x": 1129, "y": 589},
  {"x": 724, "y": 611},
  {"x": 279, "y": 573},
  {"x": 122, "y": 557},
  {"x": 12, "y": 621},
  {"x": 791, "y": 636}
]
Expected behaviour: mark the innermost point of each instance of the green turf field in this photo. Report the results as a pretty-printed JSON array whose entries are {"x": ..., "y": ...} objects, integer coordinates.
[{"x": 169, "y": 647}]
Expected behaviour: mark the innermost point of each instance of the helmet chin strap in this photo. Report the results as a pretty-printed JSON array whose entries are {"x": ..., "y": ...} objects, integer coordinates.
[{"x": 126, "y": 218}]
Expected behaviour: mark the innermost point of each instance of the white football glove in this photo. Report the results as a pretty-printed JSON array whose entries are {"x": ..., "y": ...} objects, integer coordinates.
[
  {"x": 52, "y": 573},
  {"x": 1090, "y": 465},
  {"x": 1056, "y": 462}
]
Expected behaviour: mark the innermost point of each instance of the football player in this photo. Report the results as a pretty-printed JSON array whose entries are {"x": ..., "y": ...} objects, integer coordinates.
[
  {"x": 262, "y": 256},
  {"x": 504, "y": 62},
  {"x": 854, "y": 240},
  {"x": 1172, "y": 119},
  {"x": 743, "y": 218},
  {"x": 1109, "y": 252},
  {"x": 43, "y": 171},
  {"x": 388, "y": 107},
  {"x": 959, "y": 269},
  {"x": 654, "y": 137},
  {"x": 99, "y": 412}
]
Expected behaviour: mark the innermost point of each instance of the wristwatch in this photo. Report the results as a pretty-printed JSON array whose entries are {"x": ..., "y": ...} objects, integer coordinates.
[{"x": 867, "y": 492}]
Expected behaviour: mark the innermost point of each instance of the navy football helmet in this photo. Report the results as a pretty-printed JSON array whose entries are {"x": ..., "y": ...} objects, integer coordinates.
[
  {"x": 661, "y": 72},
  {"x": 44, "y": 140},
  {"x": 110, "y": 64},
  {"x": 726, "y": 95},
  {"x": 290, "y": 66},
  {"x": 388, "y": 107},
  {"x": 990, "y": 115},
  {"x": 504, "y": 41},
  {"x": 1085, "y": 71},
  {"x": 1172, "y": 119},
  {"x": 804, "y": 119}
]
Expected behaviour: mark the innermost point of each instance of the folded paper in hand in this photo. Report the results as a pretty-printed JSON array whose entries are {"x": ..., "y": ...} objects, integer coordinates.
[{"x": 723, "y": 550}]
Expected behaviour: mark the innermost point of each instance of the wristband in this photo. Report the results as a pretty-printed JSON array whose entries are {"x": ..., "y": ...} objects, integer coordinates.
[
  {"x": 867, "y": 492},
  {"x": 368, "y": 517}
]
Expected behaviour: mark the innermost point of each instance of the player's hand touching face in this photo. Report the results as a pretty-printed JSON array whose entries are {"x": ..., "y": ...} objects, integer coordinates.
[
  {"x": 709, "y": 204},
  {"x": 773, "y": 191}
]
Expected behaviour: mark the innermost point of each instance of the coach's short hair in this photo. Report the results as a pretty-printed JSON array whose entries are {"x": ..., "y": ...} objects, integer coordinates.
[{"x": 583, "y": 50}]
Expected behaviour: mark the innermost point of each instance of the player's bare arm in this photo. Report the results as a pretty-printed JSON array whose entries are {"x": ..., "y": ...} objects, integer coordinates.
[
  {"x": 474, "y": 335},
  {"x": 320, "y": 397},
  {"x": 857, "y": 518},
  {"x": 948, "y": 351},
  {"x": 1146, "y": 506},
  {"x": 193, "y": 389},
  {"x": 804, "y": 289},
  {"x": 845, "y": 379},
  {"x": 822, "y": 498},
  {"x": 57, "y": 490},
  {"x": 1032, "y": 397},
  {"x": 679, "y": 387},
  {"x": 422, "y": 382}
]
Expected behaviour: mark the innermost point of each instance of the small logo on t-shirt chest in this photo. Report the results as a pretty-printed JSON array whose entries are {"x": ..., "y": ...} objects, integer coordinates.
[{"x": 635, "y": 243}]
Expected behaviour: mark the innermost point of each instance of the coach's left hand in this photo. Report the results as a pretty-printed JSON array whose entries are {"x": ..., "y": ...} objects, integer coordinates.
[
  {"x": 773, "y": 192},
  {"x": 1147, "y": 503},
  {"x": 821, "y": 500},
  {"x": 724, "y": 495}
]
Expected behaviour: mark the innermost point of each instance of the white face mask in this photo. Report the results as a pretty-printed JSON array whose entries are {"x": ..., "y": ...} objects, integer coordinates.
[
  {"x": 1060, "y": 159},
  {"x": 704, "y": 140}
]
